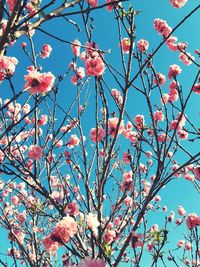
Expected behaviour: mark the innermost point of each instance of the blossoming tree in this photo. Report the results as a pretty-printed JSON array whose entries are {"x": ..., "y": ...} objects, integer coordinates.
[{"x": 81, "y": 178}]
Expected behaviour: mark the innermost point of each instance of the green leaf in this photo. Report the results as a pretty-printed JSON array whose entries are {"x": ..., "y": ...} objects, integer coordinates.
[
  {"x": 42, "y": 13},
  {"x": 108, "y": 250}
]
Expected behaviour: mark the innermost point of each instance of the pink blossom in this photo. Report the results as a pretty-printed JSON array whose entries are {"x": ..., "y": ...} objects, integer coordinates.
[
  {"x": 150, "y": 162},
  {"x": 116, "y": 94},
  {"x": 171, "y": 217},
  {"x": 94, "y": 66},
  {"x": 26, "y": 108},
  {"x": 43, "y": 120},
  {"x": 128, "y": 201},
  {"x": 159, "y": 79},
  {"x": 14, "y": 252},
  {"x": 190, "y": 167},
  {"x": 162, "y": 27},
  {"x": 136, "y": 240},
  {"x": 132, "y": 136},
  {"x": 173, "y": 96},
  {"x": 74, "y": 80},
  {"x": 46, "y": 51},
  {"x": 174, "y": 125},
  {"x": 150, "y": 246},
  {"x": 23, "y": 45},
  {"x": 197, "y": 171},
  {"x": 109, "y": 236},
  {"x": 193, "y": 220},
  {"x": 73, "y": 141},
  {"x": 157, "y": 198},
  {"x": 88, "y": 262},
  {"x": 196, "y": 88},
  {"x": 110, "y": 7},
  {"x": 127, "y": 157},
  {"x": 96, "y": 135},
  {"x": 181, "y": 211},
  {"x": 178, "y": 3},
  {"x": 58, "y": 143},
  {"x": 31, "y": 8},
  {"x": 188, "y": 246},
  {"x": 182, "y": 134},
  {"x": 72, "y": 209},
  {"x": 178, "y": 221},
  {"x": 92, "y": 50},
  {"x": 170, "y": 154},
  {"x": 11, "y": 4},
  {"x": 182, "y": 46},
  {"x": 142, "y": 167},
  {"x": 112, "y": 126},
  {"x": 127, "y": 184},
  {"x": 148, "y": 154},
  {"x": 15, "y": 200},
  {"x": 65, "y": 229},
  {"x": 164, "y": 208},
  {"x": 164, "y": 99},
  {"x": 174, "y": 168},
  {"x": 76, "y": 48},
  {"x": 117, "y": 221},
  {"x": 139, "y": 121},
  {"x": 186, "y": 58},
  {"x": 181, "y": 243},
  {"x": 93, "y": 3},
  {"x": 39, "y": 83},
  {"x": 162, "y": 137},
  {"x": 49, "y": 242},
  {"x": 173, "y": 85},
  {"x": 126, "y": 45},
  {"x": 128, "y": 176},
  {"x": 80, "y": 74},
  {"x": 171, "y": 43},
  {"x": 109, "y": 225},
  {"x": 143, "y": 45},
  {"x": 158, "y": 115},
  {"x": 35, "y": 152},
  {"x": 174, "y": 70},
  {"x": 7, "y": 66},
  {"x": 21, "y": 217}
]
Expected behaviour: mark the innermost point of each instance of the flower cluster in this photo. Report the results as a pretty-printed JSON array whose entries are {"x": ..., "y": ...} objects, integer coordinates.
[
  {"x": 162, "y": 27},
  {"x": 143, "y": 45},
  {"x": 97, "y": 134},
  {"x": 7, "y": 66},
  {"x": 192, "y": 220},
  {"x": 35, "y": 152},
  {"x": 94, "y": 64},
  {"x": 62, "y": 233},
  {"x": 125, "y": 45},
  {"x": 38, "y": 83}
]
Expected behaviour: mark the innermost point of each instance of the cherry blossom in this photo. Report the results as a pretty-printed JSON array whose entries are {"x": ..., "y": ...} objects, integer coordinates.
[
  {"x": 143, "y": 45},
  {"x": 46, "y": 51},
  {"x": 35, "y": 152},
  {"x": 38, "y": 83},
  {"x": 178, "y": 3}
]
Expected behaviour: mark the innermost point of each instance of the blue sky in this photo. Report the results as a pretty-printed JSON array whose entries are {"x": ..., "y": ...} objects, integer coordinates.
[{"x": 178, "y": 192}]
